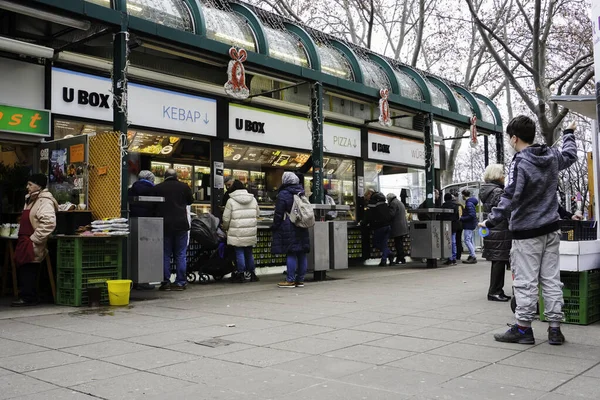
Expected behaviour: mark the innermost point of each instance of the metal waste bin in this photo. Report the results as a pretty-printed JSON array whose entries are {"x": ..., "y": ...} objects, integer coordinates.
[
  {"x": 318, "y": 258},
  {"x": 338, "y": 244},
  {"x": 431, "y": 239},
  {"x": 325, "y": 251},
  {"x": 146, "y": 241}
]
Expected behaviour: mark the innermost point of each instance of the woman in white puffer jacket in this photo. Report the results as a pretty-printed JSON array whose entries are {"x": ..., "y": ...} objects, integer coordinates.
[{"x": 240, "y": 222}]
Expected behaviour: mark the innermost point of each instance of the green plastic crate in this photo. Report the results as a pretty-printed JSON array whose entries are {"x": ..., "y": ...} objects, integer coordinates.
[
  {"x": 89, "y": 253},
  {"x": 581, "y": 294},
  {"x": 73, "y": 285}
]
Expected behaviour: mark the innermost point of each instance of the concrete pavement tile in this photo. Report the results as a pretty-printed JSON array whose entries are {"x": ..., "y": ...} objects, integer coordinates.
[
  {"x": 206, "y": 351},
  {"x": 369, "y": 316},
  {"x": 269, "y": 383},
  {"x": 133, "y": 386},
  {"x": 487, "y": 339},
  {"x": 56, "y": 394},
  {"x": 70, "y": 340},
  {"x": 207, "y": 371},
  {"x": 202, "y": 391},
  {"x": 546, "y": 362},
  {"x": 441, "y": 365},
  {"x": 5, "y": 372},
  {"x": 581, "y": 386},
  {"x": 309, "y": 345},
  {"x": 408, "y": 343},
  {"x": 252, "y": 324},
  {"x": 414, "y": 321},
  {"x": 217, "y": 330},
  {"x": 77, "y": 374},
  {"x": 471, "y": 389},
  {"x": 475, "y": 327},
  {"x": 126, "y": 318},
  {"x": 300, "y": 329},
  {"x": 260, "y": 356},
  {"x": 369, "y": 354},
  {"x": 265, "y": 338},
  {"x": 396, "y": 379},
  {"x": 570, "y": 350},
  {"x": 164, "y": 339},
  {"x": 34, "y": 335},
  {"x": 105, "y": 349},
  {"x": 558, "y": 396},
  {"x": 51, "y": 321},
  {"x": 342, "y": 391},
  {"x": 594, "y": 372},
  {"x": 10, "y": 348},
  {"x": 149, "y": 359},
  {"x": 323, "y": 367},
  {"x": 383, "y": 327},
  {"x": 472, "y": 352},
  {"x": 39, "y": 360},
  {"x": 14, "y": 385},
  {"x": 520, "y": 377},
  {"x": 434, "y": 333},
  {"x": 336, "y": 322},
  {"x": 10, "y": 326},
  {"x": 106, "y": 329},
  {"x": 351, "y": 336},
  {"x": 166, "y": 313}
]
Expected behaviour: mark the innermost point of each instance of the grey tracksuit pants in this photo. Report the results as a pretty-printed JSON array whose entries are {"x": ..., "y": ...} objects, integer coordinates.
[{"x": 535, "y": 261}]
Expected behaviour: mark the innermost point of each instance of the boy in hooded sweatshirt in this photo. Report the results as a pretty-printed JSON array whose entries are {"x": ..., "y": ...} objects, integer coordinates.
[{"x": 530, "y": 204}]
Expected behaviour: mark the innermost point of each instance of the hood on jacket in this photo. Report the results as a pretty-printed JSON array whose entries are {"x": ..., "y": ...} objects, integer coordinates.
[
  {"x": 45, "y": 194},
  {"x": 538, "y": 155},
  {"x": 390, "y": 197},
  {"x": 487, "y": 189},
  {"x": 293, "y": 189},
  {"x": 472, "y": 200},
  {"x": 241, "y": 196},
  {"x": 377, "y": 198}
]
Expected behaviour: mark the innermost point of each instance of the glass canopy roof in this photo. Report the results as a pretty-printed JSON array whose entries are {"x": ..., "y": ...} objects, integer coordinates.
[
  {"x": 438, "y": 98},
  {"x": 486, "y": 113},
  {"x": 287, "y": 47},
  {"x": 228, "y": 27},
  {"x": 171, "y": 13},
  {"x": 334, "y": 63},
  {"x": 105, "y": 3},
  {"x": 373, "y": 75},
  {"x": 408, "y": 86},
  {"x": 464, "y": 108}
]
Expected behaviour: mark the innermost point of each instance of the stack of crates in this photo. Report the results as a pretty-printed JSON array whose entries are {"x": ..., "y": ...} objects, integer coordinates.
[
  {"x": 84, "y": 263},
  {"x": 582, "y": 297},
  {"x": 574, "y": 231}
]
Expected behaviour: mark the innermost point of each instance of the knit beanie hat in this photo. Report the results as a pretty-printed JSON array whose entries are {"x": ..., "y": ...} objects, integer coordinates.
[{"x": 39, "y": 179}]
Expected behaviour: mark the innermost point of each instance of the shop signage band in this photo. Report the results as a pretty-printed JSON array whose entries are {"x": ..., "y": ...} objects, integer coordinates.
[
  {"x": 254, "y": 125},
  {"x": 89, "y": 96},
  {"x": 25, "y": 121},
  {"x": 399, "y": 150}
]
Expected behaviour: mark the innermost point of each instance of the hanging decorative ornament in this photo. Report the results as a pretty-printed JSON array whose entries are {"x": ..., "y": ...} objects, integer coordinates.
[
  {"x": 473, "y": 131},
  {"x": 384, "y": 108},
  {"x": 236, "y": 85}
]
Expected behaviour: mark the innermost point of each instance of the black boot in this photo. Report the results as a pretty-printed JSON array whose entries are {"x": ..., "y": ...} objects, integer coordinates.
[
  {"x": 253, "y": 277},
  {"x": 237, "y": 277}
]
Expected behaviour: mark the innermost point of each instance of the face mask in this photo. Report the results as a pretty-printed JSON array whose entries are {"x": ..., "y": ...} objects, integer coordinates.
[{"x": 513, "y": 147}]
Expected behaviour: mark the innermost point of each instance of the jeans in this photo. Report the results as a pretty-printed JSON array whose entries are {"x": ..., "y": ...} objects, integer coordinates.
[
  {"x": 244, "y": 259},
  {"x": 470, "y": 242},
  {"x": 27, "y": 281},
  {"x": 175, "y": 244},
  {"x": 297, "y": 263},
  {"x": 380, "y": 240},
  {"x": 454, "y": 246}
]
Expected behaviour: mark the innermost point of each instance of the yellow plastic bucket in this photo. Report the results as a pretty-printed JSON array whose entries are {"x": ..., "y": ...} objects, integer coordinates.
[{"x": 118, "y": 292}]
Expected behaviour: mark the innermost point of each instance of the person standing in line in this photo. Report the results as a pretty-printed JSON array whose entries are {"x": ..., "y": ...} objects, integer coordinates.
[
  {"x": 378, "y": 219},
  {"x": 37, "y": 223},
  {"x": 497, "y": 244},
  {"x": 240, "y": 221},
  {"x": 399, "y": 228},
  {"x": 144, "y": 186},
  {"x": 289, "y": 239},
  {"x": 178, "y": 196},
  {"x": 469, "y": 222},
  {"x": 530, "y": 205},
  {"x": 459, "y": 228},
  {"x": 454, "y": 220}
]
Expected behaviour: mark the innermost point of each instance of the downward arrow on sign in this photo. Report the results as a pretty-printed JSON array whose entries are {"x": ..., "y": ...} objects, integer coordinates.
[{"x": 206, "y": 121}]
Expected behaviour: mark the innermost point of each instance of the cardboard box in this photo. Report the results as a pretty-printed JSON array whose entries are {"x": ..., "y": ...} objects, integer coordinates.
[{"x": 579, "y": 256}]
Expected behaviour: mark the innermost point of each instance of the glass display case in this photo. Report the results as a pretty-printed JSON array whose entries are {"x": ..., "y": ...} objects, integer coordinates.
[
  {"x": 159, "y": 169},
  {"x": 184, "y": 173}
]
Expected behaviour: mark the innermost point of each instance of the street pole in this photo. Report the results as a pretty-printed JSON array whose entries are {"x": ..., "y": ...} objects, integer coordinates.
[
  {"x": 486, "y": 151},
  {"x": 499, "y": 148},
  {"x": 429, "y": 161},
  {"x": 316, "y": 112}
]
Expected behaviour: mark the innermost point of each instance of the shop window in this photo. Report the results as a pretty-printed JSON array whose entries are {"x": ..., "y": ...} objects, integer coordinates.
[
  {"x": 287, "y": 47},
  {"x": 408, "y": 184},
  {"x": 408, "y": 86},
  {"x": 438, "y": 98},
  {"x": 228, "y": 27},
  {"x": 171, "y": 13},
  {"x": 334, "y": 63}
]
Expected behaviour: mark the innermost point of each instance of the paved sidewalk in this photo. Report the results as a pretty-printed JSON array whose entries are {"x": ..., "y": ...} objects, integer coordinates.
[{"x": 371, "y": 333}]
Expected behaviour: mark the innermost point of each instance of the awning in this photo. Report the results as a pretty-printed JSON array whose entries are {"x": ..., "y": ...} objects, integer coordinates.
[{"x": 584, "y": 105}]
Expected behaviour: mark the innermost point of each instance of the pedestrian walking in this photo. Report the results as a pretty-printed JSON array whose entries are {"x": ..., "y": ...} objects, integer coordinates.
[
  {"x": 289, "y": 239},
  {"x": 240, "y": 222},
  {"x": 469, "y": 222},
  {"x": 37, "y": 223},
  {"x": 399, "y": 227},
  {"x": 178, "y": 196},
  {"x": 530, "y": 204},
  {"x": 453, "y": 217},
  {"x": 497, "y": 244},
  {"x": 379, "y": 219}
]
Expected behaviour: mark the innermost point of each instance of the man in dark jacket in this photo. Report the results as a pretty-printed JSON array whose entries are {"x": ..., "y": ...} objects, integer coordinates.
[
  {"x": 178, "y": 196},
  {"x": 469, "y": 222},
  {"x": 454, "y": 218},
  {"x": 399, "y": 226},
  {"x": 144, "y": 186},
  {"x": 378, "y": 218}
]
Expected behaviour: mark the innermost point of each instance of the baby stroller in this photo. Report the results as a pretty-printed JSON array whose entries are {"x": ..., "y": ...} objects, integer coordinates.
[{"x": 213, "y": 257}]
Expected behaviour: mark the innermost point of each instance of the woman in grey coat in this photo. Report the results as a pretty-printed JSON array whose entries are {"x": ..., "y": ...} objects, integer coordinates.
[{"x": 399, "y": 226}]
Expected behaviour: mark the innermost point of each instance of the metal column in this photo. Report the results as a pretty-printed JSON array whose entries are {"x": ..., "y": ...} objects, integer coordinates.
[
  {"x": 429, "y": 160},
  {"x": 486, "y": 151},
  {"x": 316, "y": 112},
  {"x": 499, "y": 148}
]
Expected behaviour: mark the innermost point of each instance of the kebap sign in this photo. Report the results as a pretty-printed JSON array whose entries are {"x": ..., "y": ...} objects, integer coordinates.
[{"x": 24, "y": 121}]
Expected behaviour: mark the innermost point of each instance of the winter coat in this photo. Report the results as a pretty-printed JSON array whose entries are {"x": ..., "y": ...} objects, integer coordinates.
[
  {"x": 42, "y": 216},
  {"x": 378, "y": 214},
  {"x": 239, "y": 219},
  {"x": 496, "y": 245},
  {"x": 398, "y": 215},
  {"x": 141, "y": 188},
  {"x": 287, "y": 237},
  {"x": 454, "y": 217},
  {"x": 178, "y": 196},
  {"x": 469, "y": 217}
]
